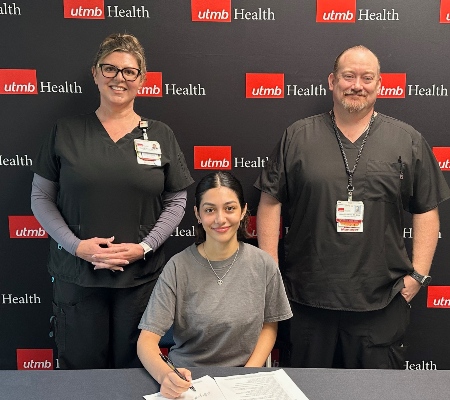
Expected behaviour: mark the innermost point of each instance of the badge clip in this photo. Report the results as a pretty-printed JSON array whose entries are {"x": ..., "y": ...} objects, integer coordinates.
[
  {"x": 350, "y": 189},
  {"x": 143, "y": 126}
]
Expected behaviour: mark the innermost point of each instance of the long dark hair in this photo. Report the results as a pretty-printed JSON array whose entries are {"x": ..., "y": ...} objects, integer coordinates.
[{"x": 215, "y": 180}]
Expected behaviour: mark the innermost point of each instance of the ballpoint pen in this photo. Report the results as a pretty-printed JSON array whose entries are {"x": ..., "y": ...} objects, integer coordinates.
[{"x": 174, "y": 369}]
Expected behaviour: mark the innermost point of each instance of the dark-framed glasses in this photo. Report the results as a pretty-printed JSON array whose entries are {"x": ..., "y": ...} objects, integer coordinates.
[{"x": 111, "y": 71}]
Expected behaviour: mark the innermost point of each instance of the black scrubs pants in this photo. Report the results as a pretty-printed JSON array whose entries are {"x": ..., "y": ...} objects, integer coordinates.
[
  {"x": 323, "y": 338},
  {"x": 98, "y": 327}
]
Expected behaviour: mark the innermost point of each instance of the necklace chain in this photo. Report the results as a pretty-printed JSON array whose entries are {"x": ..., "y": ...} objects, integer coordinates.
[{"x": 219, "y": 279}]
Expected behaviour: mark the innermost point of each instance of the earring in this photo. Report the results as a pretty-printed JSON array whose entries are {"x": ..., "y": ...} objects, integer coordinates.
[{"x": 199, "y": 222}]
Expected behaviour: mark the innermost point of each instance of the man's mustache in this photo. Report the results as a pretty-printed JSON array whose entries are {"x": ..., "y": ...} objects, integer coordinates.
[{"x": 356, "y": 93}]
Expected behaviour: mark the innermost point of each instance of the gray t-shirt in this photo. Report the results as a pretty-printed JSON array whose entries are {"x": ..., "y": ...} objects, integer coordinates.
[{"x": 216, "y": 324}]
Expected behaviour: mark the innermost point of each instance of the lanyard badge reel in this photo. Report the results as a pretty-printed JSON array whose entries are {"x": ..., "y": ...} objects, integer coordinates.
[
  {"x": 350, "y": 213},
  {"x": 148, "y": 152},
  {"x": 143, "y": 126}
]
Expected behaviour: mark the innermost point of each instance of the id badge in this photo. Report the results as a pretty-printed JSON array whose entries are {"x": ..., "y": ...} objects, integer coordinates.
[
  {"x": 148, "y": 152},
  {"x": 349, "y": 216}
]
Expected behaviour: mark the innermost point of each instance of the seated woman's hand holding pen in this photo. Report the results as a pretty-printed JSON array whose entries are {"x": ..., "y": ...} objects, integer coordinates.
[
  {"x": 172, "y": 386},
  {"x": 164, "y": 372}
]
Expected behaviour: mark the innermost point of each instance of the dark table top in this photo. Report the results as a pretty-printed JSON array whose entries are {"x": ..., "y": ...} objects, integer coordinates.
[{"x": 317, "y": 384}]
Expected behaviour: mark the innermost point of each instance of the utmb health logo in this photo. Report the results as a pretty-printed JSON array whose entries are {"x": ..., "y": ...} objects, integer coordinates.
[
  {"x": 95, "y": 9},
  {"x": 212, "y": 157},
  {"x": 18, "y": 81},
  {"x": 84, "y": 9},
  {"x": 152, "y": 86},
  {"x": 211, "y": 10},
  {"x": 264, "y": 85},
  {"x": 25, "y": 227},
  {"x": 438, "y": 297},
  {"x": 38, "y": 359},
  {"x": 393, "y": 86},
  {"x": 442, "y": 155},
  {"x": 343, "y": 11}
]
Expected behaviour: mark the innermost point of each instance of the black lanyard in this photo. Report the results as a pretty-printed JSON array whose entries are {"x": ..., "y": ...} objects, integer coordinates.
[{"x": 351, "y": 172}]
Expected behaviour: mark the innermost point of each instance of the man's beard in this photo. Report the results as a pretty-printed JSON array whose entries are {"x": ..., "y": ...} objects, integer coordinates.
[{"x": 354, "y": 106}]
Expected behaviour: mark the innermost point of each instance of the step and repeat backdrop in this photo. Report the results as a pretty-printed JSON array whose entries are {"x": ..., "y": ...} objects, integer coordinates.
[{"x": 228, "y": 76}]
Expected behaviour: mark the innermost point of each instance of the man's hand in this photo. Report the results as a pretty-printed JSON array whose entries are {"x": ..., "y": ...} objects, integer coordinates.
[{"x": 411, "y": 288}]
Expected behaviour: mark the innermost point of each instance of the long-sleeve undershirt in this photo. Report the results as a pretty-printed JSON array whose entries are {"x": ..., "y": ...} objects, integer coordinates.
[{"x": 43, "y": 204}]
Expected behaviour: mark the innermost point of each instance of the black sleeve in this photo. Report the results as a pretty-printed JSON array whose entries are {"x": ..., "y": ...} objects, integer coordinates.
[
  {"x": 46, "y": 162},
  {"x": 177, "y": 175},
  {"x": 430, "y": 187},
  {"x": 272, "y": 179}
]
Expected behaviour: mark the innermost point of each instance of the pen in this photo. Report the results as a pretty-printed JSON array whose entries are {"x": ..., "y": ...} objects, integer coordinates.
[
  {"x": 401, "y": 166},
  {"x": 174, "y": 369}
]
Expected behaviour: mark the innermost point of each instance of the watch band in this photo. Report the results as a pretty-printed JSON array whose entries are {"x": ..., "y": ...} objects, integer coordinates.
[
  {"x": 146, "y": 247},
  {"x": 424, "y": 280}
]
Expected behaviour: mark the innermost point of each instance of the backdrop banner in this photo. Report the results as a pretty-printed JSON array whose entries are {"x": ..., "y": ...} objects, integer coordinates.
[{"x": 228, "y": 76}]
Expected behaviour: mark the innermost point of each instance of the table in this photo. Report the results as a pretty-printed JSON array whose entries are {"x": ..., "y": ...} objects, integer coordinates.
[{"x": 317, "y": 384}]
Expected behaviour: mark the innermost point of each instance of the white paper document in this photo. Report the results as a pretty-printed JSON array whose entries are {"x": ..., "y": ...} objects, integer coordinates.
[
  {"x": 272, "y": 385},
  {"x": 205, "y": 388}
]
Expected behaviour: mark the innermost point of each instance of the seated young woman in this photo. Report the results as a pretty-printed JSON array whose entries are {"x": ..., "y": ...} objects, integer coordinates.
[{"x": 223, "y": 297}]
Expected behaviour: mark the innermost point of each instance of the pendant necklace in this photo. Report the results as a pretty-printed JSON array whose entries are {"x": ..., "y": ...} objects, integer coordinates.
[{"x": 219, "y": 279}]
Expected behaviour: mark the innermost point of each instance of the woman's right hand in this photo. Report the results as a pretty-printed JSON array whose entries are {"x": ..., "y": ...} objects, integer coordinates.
[
  {"x": 89, "y": 247},
  {"x": 172, "y": 386}
]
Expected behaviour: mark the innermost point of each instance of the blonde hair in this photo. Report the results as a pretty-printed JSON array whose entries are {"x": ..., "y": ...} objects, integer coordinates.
[{"x": 122, "y": 42}]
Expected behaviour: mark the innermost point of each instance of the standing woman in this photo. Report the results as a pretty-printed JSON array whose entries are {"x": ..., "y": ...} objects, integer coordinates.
[
  {"x": 224, "y": 297},
  {"x": 108, "y": 209}
]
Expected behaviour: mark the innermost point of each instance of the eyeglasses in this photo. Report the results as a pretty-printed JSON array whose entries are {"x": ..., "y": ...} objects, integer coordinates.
[
  {"x": 351, "y": 78},
  {"x": 111, "y": 71}
]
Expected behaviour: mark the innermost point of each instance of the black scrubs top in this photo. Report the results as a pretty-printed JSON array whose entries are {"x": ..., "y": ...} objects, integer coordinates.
[
  {"x": 104, "y": 192},
  {"x": 357, "y": 271}
]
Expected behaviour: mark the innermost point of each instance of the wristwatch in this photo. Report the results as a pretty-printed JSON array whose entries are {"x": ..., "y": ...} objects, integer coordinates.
[
  {"x": 424, "y": 280},
  {"x": 147, "y": 248}
]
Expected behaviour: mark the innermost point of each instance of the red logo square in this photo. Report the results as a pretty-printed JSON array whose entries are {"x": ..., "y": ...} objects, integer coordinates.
[
  {"x": 442, "y": 155},
  {"x": 152, "y": 86},
  {"x": 211, "y": 10},
  {"x": 25, "y": 227},
  {"x": 212, "y": 157},
  {"x": 264, "y": 86},
  {"x": 41, "y": 359},
  {"x": 438, "y": 297},
  {"x": 18, "y": 81},
  {"x": 84, "y": 9},
  {"x": 393, "y": 86},
  {"x": 336, "y": 11}
]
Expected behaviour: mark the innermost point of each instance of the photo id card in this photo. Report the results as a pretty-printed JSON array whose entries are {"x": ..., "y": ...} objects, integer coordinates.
[
  {"x": 349, "y": 216},
  {"x": 148, "y": 152}
]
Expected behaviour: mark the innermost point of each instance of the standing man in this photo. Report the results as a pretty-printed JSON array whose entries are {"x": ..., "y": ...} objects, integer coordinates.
[{"x": 346, "y": 176}]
